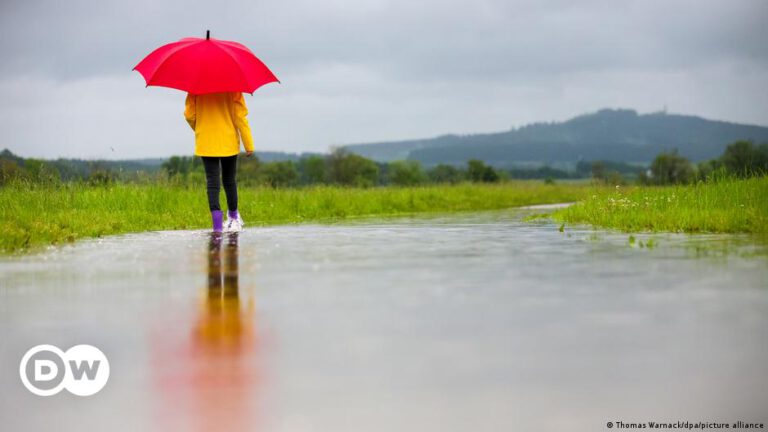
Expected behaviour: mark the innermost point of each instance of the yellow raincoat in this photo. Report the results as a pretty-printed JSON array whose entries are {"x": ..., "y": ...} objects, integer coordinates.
[{"x": 219, "y": 121}]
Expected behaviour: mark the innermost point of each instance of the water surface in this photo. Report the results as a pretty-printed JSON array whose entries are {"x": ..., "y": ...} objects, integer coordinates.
[{"x": 447, "y": 323}]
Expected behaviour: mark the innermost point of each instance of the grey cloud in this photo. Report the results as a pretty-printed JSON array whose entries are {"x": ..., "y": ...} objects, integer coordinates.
[
  {"x": 372, "y": 70},
  {"x": 423, "y": 39}
]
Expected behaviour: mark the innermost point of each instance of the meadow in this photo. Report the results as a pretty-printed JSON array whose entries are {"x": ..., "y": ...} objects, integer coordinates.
[
  {"x": 724, "y": 205},
  {"x": 34, "y": 216}
]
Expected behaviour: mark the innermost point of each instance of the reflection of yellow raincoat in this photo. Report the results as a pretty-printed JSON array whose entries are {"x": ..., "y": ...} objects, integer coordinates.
[{"x": 219, "y": 121}]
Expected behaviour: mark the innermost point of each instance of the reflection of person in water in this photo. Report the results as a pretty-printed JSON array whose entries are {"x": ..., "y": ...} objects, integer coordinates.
[
  {"x": 222, "y": 327},
  {"x": 209, "y": 381},
  {"x": 224, "y": 345}
]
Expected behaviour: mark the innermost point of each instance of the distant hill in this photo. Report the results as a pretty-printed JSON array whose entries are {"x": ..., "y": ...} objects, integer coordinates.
[{"x": 618, "y": 135}]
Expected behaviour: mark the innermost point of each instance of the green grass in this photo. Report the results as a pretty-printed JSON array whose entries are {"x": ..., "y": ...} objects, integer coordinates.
[
  {"x": 34, "y": 216},
  {"x": 723, "y": 206}
]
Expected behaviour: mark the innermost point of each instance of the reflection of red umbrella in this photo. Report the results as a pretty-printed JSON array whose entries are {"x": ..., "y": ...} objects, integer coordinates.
[{"x": 201, "y": 66}]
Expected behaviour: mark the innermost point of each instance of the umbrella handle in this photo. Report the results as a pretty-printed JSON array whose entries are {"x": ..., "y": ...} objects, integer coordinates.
[{"x": 207, "y": 34}]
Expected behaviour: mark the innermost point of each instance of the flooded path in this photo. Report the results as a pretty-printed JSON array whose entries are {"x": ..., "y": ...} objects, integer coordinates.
[{"x": 459, "y": 323}]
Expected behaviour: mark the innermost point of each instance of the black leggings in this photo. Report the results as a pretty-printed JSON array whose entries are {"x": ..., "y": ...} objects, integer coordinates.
[{"x": 224, "y": 168}]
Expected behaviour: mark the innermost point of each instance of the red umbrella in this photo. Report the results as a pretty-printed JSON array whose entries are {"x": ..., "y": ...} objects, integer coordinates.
[{"x": 201, "y": 66}]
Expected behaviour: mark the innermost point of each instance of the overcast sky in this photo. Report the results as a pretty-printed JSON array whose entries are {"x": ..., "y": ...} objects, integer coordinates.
[{"x": 364, "y": 71}]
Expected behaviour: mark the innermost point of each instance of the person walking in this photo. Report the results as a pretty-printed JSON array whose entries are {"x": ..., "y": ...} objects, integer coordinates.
[
  {"x": 215, "y": 73},
  {"x": 220, "y": 123}
]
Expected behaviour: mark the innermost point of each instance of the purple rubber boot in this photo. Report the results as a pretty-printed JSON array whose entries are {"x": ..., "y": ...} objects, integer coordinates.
[
  {"x": 233, "y": 214},
  {"x": 218, "y": 220}
]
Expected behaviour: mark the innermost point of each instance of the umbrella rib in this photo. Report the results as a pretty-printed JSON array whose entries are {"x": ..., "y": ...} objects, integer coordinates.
[
  {"x": 165, "y": 60},
  {"x": 237, "y": 65},
  {"x": 235, "y": 45},
  {"x": 174, "y": 50}
]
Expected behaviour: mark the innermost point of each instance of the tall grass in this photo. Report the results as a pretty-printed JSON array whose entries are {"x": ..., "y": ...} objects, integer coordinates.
[
  {"x": 724, "y": 205},
  {"x": 34, "y": 215}
]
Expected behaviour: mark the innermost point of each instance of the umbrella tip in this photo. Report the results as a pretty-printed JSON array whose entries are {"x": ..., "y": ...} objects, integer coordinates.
[{"x": 207, "y": 34}]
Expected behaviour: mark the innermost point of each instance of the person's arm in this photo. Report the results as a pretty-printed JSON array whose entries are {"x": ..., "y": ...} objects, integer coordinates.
[
  {"x": 241, "y": 122},
  {"x": 189, "y": 111}
]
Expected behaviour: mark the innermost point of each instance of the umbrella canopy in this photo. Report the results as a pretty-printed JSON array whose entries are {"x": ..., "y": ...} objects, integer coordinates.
[{"x": 201, "y": 66}]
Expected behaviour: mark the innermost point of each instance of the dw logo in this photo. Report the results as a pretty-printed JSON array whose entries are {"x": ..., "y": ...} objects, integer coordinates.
[{"x": 45, "y": 370}]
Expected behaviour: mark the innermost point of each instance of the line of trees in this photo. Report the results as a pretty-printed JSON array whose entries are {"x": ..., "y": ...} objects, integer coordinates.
[
  {"x": 40, "y": 171},
  {"x": 742, "y": 159},
  {"x": 337, "y": 168}
]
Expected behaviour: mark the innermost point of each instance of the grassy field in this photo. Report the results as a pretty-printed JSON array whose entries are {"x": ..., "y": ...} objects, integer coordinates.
[
  {"x": 34, "y": 216},
  {"x": 724, "y": 206}
]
